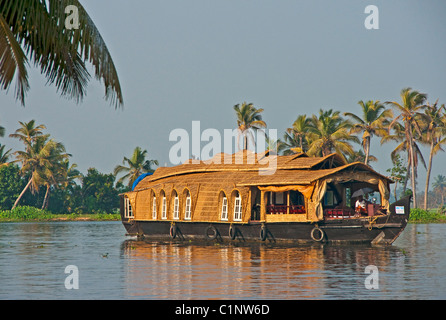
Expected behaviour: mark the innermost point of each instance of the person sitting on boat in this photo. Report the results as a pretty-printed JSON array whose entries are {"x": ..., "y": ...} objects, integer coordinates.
[{"x": 360, "y": 205}]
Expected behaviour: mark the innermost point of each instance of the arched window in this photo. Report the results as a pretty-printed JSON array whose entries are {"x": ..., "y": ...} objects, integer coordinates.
[
  {"x": 153, "y": 205},
  {"x": 163, "y": 205},
  {"x": 176, "y": 205},
  {"x": 224, "y": 206},
  {"x": 237, "y": 206},
  {"x": 188, "y": 206}
]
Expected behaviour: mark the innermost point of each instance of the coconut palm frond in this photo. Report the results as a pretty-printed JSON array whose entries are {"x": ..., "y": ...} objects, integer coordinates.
[
  {"x": 248, "y": 118},
  {"x": 60, "y": 52},
  {"x": 136, "y": 165},
  {"x": 13, "y": 62}
]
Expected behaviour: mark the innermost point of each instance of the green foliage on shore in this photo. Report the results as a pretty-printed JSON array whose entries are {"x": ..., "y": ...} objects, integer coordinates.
[
  {"x": 426, "y": 216},
  {"x": 28, "y": 213}
]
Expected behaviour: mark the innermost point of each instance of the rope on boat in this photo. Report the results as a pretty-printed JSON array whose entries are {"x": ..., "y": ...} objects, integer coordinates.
[{"x": 372, "y": 221}]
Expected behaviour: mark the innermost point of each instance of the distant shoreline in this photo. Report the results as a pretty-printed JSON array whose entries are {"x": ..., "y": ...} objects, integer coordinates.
[
  {"x": 60, "y": 219},
  {"x": 32, "y": 214}
]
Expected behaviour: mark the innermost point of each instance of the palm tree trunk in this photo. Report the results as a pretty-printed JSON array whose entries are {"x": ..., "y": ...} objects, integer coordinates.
[
  {"x": 442, "y": 198},
  {"x": 406, "y": 177},
  {"x": 412, "y": 167},
  {"x": 367, "y": 150},
  {"x": 22, "y": 193},
  {"x": 45, "y": 199},
  {"x": 428, "y": 174}
]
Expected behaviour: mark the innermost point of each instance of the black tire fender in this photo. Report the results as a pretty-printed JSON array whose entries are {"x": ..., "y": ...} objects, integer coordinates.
[
  {"x": 232, "y": 232},
  {"x": 211, "y": 233},
  {"x": 173, "y": 231},
  {"x": 263, "y": 233},
  {"x": 315, "y": 237}
]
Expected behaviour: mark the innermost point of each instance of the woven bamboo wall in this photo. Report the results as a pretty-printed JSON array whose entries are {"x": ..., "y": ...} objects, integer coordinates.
[
  {"x": 142, "y": 208},
  {"x": 204, "y": 190}
]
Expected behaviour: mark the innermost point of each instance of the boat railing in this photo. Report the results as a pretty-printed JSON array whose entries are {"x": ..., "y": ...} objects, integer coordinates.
[
  {"x": 343, "y": 213},
  {"x": 284, "y": 209}
]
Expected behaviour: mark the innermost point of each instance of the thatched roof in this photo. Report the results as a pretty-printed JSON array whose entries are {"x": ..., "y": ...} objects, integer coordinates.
[
  {"x": 304, "y": 177},
  {"x": 245, "y": 168}
]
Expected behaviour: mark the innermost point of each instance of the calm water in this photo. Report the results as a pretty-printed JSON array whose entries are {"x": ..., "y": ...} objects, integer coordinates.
[{"x": 33, "y": 257}]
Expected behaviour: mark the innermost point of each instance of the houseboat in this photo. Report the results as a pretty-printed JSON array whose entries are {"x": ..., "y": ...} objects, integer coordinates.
[{"x": 242, "y": 197}]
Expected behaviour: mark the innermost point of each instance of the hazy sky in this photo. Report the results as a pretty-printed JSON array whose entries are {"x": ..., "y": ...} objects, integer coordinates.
[{"x": 180, "y": 61}]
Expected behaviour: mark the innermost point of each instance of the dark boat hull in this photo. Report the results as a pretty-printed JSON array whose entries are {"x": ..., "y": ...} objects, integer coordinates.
[{"x": 383, "y": 229}]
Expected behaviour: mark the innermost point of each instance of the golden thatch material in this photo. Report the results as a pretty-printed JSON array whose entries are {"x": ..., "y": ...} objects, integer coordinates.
[{"x": 207, "y": 183}]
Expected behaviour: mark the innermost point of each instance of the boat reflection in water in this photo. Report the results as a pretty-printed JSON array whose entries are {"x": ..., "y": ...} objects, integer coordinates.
[{"x": 164, "y": 270}]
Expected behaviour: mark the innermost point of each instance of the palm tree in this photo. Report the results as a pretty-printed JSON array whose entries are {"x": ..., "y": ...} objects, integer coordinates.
[
  {"x": 434, "y": 135},
  {"x": 411, "y": 103},
  {"x": 440, "y": 186},
  {"x": 28, "y": 132},
  {"x": 290, "y": 144},
  {"x": 329, "y": 133},
  {"x": 61, "y": 174},
  {"x": 374, "y": 118},
  {"x": 4, "y": 155},
  {"x": 296, "y": 136},
  {"x": 38, "y": 162},
  {"x": 34, "y": 31},
  {"x": 248, "y": 119},
  {"x": 137, "y": 165},
  {"x": 397, "y": 173},
  {"x": 359, "y": 156},
  {"x": 274, "y": 146},
  {"x": 398, "y": 135}
]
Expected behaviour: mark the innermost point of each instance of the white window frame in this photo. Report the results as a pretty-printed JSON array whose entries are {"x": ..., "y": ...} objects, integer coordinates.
[
  {"x": 224, "y": 209},
  {"x": 154, "y": 207},
  {"x": 128, "y": 210},
  {"x": 187, "y": 208},
  {"x": 164, "y": 207},
  {"x": 238, "y": 208},
  {"x": 176, "y": 207}
]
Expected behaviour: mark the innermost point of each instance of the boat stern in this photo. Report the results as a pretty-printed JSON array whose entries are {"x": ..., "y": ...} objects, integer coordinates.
[{"x": 393, "y": 224}]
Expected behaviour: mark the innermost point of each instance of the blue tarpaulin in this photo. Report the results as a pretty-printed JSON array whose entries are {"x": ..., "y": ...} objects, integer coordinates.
[{"x": 135, "y": 183}]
